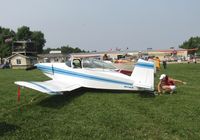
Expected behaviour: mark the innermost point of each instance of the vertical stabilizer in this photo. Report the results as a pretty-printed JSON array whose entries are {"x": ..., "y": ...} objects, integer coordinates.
[{"x": 143, "y": 75}]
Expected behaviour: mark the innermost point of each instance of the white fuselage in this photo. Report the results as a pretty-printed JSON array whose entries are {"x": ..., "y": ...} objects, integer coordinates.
[{"x": 88, "y": 77}]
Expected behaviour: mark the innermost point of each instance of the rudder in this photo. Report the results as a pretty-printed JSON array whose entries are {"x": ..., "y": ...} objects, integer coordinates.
[{"x": 143, "y": 75}]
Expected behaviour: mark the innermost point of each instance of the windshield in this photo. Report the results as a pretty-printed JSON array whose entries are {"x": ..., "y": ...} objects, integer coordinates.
[
  {"x": 94, "y": 63},
  {"x": 68, "y": 63}
]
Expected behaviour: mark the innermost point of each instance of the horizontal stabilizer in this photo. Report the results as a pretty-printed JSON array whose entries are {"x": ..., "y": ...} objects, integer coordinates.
[{"x": 51, "y": 87}]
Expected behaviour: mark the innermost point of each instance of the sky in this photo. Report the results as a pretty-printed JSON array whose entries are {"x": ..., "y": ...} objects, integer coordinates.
[{"x": 103, "y": 25}]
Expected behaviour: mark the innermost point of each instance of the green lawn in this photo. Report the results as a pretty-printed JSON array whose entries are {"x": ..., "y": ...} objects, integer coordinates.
[{"x": 100, "y": 114}]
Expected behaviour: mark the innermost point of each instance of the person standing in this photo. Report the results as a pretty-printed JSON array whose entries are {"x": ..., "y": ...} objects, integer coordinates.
[
  {"x": 165, "y": 63},
  {"x": 157, "y": 61}
]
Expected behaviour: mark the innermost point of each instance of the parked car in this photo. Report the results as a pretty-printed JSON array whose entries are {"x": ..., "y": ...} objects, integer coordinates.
[{"x": 4, "y": 66}]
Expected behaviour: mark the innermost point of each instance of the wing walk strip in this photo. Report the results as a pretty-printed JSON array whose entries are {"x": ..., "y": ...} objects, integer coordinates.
[{"x": 80, "y": 75}]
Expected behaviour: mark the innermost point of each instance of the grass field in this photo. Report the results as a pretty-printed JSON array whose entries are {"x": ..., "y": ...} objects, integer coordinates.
[{"x": 101, "y": 114}]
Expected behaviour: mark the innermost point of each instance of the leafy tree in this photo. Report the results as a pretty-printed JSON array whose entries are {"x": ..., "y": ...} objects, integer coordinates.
[
  {"x": 38, "y": 38},
  {"x": 192, "y": 43},
  {"x": 23, "y": 33},
  {"x": 6, "y": 37},
  {"x": 67, "y": 49},
  {"x": 5, "y": 50},
  {"x": 46, "y": 51}
]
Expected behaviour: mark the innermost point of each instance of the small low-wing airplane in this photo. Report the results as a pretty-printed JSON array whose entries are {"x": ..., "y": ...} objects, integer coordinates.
[{"x": 91, "y": 73}]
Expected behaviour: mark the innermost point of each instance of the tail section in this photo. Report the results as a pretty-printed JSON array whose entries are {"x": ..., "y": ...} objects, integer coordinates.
[{"x": 143, "y": 75}]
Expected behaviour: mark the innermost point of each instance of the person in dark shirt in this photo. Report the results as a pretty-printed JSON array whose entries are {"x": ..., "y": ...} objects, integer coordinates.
[{"x": 164, "y": 63}]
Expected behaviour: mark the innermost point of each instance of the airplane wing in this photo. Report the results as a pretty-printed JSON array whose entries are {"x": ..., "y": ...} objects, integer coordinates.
[{"x": 52, "y": 87}]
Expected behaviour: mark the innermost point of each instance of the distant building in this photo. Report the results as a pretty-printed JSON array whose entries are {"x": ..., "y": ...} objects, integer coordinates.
[
  {"x": 19, "y": 61},
  {"x": 54, "y": 56},
  {"x": 100, "y": 55},
  {"x": 24, "y": 47},
  {"x": 51, "y": 58},
  {"x": 55, "y": 52},
  {"x": 23, "y": 54},
  {"x": 168, "y": 53}
]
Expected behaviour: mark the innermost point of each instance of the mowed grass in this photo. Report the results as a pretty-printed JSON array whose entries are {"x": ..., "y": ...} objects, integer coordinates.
[{"x": 90, "y": 114}]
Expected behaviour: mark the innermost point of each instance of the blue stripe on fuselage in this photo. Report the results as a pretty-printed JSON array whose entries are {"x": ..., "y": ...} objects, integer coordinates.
[
  {"x": 80, "y": 75},
  {"x": 145, "y": 65}
]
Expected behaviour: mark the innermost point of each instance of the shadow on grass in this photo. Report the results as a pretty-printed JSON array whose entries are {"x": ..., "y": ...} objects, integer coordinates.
[
  {"x": 145, "y": 94},
  {"x": 108, "y": 91},
  {"x": 5, "y": 128},
  {"x": 142, "y": 94},
  {"x": 58, "y": 101}
]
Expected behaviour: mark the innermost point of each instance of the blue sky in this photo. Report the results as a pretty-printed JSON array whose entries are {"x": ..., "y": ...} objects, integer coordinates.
[{"x": 106, "y": 24}]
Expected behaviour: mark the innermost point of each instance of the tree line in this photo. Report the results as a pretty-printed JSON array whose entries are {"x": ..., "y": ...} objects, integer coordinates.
[
  {"x": 7, "y": 36},
  {"x": 64, "y": 50},
  {"x": 192, "y": 43}
]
